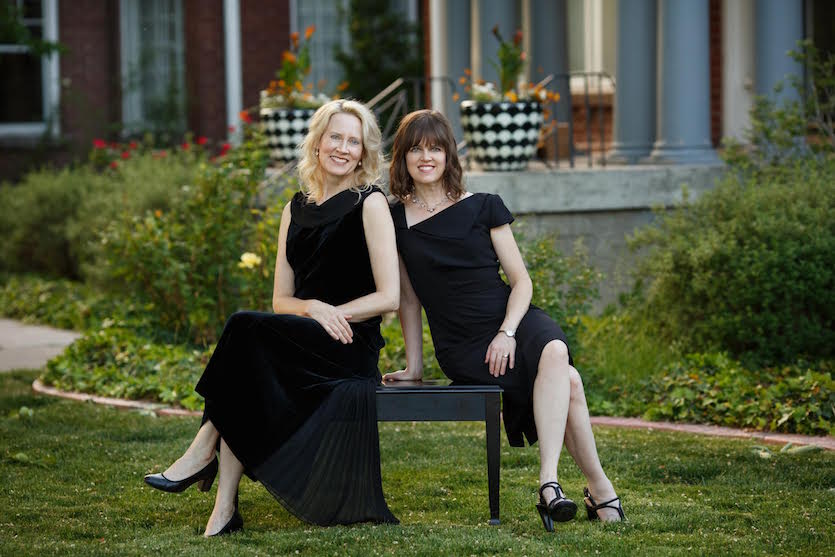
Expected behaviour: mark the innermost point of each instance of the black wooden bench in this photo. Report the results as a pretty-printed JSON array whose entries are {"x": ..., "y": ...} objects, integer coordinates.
[{"x": 429, "y": 401}]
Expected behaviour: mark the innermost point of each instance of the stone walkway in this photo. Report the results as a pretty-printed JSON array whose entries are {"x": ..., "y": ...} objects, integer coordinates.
[
  {"x": 30, "y": 346},
  {"x": 27, "y": 346}
]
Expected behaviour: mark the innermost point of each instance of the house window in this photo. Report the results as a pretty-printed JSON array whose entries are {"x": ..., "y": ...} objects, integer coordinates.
[
  {"x": 331, "y": 32},
  {"x": 152, "y": 62},
  {"x": 29, "y": 88}
]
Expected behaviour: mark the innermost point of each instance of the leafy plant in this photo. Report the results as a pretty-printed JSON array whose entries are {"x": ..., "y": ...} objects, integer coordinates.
[
  {"x": 117, "y": 362},
  {"x": 288, "y": 90},
  {"x": 184, "y": 262},
  {"x": 783, "y": 130},
  {"x": 713, "y": 388},
  {"x": 564, "y": 286},
  {"x": 749, "y": 267}
]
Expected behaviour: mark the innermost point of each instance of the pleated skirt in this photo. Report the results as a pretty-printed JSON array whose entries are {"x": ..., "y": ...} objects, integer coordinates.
[{"x": 298, "y": 409}]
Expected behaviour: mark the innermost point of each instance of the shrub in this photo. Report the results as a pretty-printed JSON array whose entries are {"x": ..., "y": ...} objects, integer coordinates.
[
  {"x": 50, "y": 221},
  {"x": 186, "y": 262},
  {"x": 713, "y": 388},
  {"x": 563, "y": 286},
  {"x": 750, "y": 266}
]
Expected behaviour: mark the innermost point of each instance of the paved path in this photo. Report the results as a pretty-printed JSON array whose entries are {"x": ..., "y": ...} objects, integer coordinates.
[{"x": 30, "y": 346}]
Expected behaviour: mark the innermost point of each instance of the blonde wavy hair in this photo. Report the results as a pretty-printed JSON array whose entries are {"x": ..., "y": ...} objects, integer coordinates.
[{"x": 365, "y": 175}]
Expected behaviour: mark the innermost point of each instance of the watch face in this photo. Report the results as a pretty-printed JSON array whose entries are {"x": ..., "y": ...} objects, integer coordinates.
[{"x": 509, "y": 332}]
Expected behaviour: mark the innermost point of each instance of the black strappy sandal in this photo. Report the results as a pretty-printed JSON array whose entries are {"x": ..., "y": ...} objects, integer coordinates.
[
  {"x": 592, "y": 509},
  {"x": 558, "y": 509}
]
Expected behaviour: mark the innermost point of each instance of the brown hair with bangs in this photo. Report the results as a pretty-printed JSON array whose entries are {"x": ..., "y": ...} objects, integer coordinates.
[{"x": 424, "y": 127}]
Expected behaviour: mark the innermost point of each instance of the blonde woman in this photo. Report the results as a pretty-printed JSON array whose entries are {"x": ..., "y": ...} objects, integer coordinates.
[{"x": 290, "y": 395}]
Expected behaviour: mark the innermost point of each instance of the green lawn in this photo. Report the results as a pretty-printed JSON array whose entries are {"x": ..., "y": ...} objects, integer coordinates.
[{"x": 71, "y": 483}]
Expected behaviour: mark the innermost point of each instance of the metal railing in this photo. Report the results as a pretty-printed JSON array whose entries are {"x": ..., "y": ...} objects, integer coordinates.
[{"x": 597, "y": 91}]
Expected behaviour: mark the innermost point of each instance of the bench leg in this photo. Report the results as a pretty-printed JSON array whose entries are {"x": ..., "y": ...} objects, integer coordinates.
[{"x": 492, "y": 407}]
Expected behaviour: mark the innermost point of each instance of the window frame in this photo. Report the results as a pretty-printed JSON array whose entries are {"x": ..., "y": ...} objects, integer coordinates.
[{"x": 30, "y": 132}]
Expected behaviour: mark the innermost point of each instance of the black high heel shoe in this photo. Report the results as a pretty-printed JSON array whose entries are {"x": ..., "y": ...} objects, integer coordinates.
[
  {"x": 558, "y": 509},
  {"x": 203, "y": 478},
  {"x": 592, "y": 509},
  {"x": 235, "y": 524}
]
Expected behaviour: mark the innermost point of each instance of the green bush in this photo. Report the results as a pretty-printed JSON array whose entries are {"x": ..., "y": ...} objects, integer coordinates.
[
  {"x": 186, "y": 262},
  {"x": 749, "y": 267},
  {"x": 51, "y": 220},
  {"x": 713, "y": 388},
  {"x": 564, "y": 286}
]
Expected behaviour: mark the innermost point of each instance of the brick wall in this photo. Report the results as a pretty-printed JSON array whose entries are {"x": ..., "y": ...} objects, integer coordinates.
[
  {"x": 265, "y": 34},
  {"x": 89, "y": 70},
  {"x": 205, "y": 68}
]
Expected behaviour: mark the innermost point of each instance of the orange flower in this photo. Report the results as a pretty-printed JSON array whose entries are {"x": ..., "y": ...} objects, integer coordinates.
[
  {"x": 288, "y": 56},
  {"x": 158, "y": 213},
  {"x": 299, "y": 86},
  {"x": 468, "y": 72},
  {"x": 245, "y": 117},
  {"x": 342, "y": 86},
  {"x": 455, "y": 97},
  {"x": 462, "y": 80},
  {"x": 512, "y": 97},
  {"x": 294, "y": 36},
  {"x": 309, "y": 32}
]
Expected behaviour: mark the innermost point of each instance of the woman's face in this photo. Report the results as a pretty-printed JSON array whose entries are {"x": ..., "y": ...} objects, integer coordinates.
[
  {"x": 426, "y": 164},
  {"x": 340, "y": 148}
]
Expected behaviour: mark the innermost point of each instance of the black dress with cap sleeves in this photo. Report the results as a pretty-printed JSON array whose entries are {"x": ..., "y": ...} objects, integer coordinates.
[
  {"x": 454, "y": 270},
  {"x": 295, "y": 406}
]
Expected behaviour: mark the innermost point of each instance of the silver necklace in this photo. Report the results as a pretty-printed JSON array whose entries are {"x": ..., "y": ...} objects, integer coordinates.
[{"x": 429, "y": 208}]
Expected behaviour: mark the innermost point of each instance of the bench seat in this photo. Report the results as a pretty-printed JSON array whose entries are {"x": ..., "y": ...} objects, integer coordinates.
[{"x": 433, "y": 401}]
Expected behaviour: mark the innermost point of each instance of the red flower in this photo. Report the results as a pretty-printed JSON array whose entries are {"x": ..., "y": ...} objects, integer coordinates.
[
  {"x": 133, "y": 145},
  {"x": 245, "y": 117},
  {"x": 125, "y": 155},
  {"x": 201, "y": 140},
  {"x": 99, "y": 143},
  {"x": 231, "y": 129},
  {"x": 224, "y": 149},
  {"x": 114, "y": 164},
  {"x": 186, "y": 146}
]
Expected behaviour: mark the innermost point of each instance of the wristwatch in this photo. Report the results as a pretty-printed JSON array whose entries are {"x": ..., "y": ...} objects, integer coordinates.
[{"x": 509, "y": 332}]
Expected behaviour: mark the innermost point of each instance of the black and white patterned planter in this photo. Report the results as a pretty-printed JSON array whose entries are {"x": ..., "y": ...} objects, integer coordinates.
[
  {"x": 501, "y": 135},
  {"x": 285, "y": 129}
]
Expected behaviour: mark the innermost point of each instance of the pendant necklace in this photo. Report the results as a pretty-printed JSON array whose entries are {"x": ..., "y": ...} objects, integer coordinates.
[{"x": 429, "y": 208}]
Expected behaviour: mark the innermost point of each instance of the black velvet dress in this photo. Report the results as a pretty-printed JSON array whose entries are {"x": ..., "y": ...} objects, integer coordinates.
[
  {"x": 455, "y": 273},
  {"x": 295, "y": 406}
]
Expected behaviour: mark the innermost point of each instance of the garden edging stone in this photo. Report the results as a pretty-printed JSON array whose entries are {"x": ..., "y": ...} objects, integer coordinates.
[{"x": 824, "y": 441}]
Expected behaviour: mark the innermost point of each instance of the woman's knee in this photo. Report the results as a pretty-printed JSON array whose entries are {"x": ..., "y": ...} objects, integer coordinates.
[
  {"x": 576, "y": 382},
  {"x": 555, "y": 352}
]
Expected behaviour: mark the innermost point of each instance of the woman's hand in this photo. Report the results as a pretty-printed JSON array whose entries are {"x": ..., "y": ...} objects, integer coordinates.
[
  {"x": 332, "y": 319},
  {"x": 404, "y": 375},
  {"x": 500, "y": 353}
]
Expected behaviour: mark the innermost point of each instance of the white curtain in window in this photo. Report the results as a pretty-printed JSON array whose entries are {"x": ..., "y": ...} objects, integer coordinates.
[
  {"x": 153, "y": 76},
  {"x": 331, "y": 31}
]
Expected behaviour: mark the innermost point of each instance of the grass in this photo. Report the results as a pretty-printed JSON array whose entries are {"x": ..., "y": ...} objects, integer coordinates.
[{"x": 70, "y": 484}]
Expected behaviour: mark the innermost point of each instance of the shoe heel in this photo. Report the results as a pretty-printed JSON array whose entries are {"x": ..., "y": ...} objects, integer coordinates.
[
  {"x": 206, "y": 485},
  {"x": 546, "y": 518}
]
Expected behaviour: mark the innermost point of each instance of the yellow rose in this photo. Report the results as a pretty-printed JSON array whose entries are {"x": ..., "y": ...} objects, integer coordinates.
[{"x": 249, "y": 261}]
